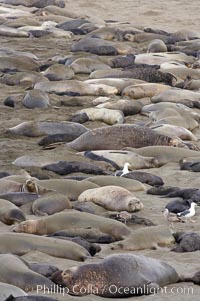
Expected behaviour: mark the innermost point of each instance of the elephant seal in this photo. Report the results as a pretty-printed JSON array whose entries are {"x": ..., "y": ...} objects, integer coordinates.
[
  {"x": 131, "y": 185},
  {"x": 75, "y": 88},
  {"x": 16, "y": 272},
  {"x": 177, "y": 95},
  {"x": 54, "y": 138},
  {"x": 90, "y": 247},
  {"x": 119, "y": 136},
  {"x": 37, "y": 129},
  {"x": 35, "y": 3},
  {"x": 50, "y": 203},
  {"x": 73, "y": 220},
  {"x": 89, "y": 234},
  {"x": 157, "y": 46},
  {"x": 195, "y": 278},
  {"x": 58, "y": 72},
  {"x": 9, "y": 290},
  {"x": 108, "y": 116},
  {"x": 22, "y": 243},
  {"x": 87, "y": 65},
  {"x": 64, "y": 168},
  {"x": 18, "y": 63},
  {"x": 71, "y": 188},
  {"x": 175, "y": 131},
  {"x": 144, "y": 177},
  {"x": 10, "y": 214},
  {"x": 127, "y": 106},
  {"x": 6, "y": 290},
  {"x": 119, "y": 158},
  {"x": 191, "y": 166},
  {"x": 144, "y": 90},
  {"x": 165, "y": 154},
  {"x": 36, "y": 99},
  {"x": 186, "y": 242},
  {"x": 118, "y": 275},
  {"x": 19, "y": 198},
  {"x": 112, "y": 198},
  {"x": 161, "y": 190},
  {"x": 24, "y": 79},
  {"x": 146, "y": 238}
]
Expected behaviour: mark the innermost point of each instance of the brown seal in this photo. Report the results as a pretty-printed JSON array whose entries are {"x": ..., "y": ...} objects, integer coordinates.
[{"x": 119, "y": 136}]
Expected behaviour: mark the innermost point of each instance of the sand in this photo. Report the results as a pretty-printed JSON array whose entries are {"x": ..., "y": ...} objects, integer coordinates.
[{"x": 167, "y": 15}]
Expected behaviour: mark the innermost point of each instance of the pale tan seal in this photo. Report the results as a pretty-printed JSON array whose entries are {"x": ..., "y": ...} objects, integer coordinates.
[
  {"x": 73, "y": 220},
  {"x": 119, "y": 158},
  {"x": 7, "y": 289},
  {"x": 70, "y": 188},
  {"x": 146, "y": 238},
  {"x": 15, "y": 271},
  {"x": 175, "y": 131},
  {"x": 129, "y": 184},
  {"x": 75, "y": 88},
  {"x": 112, "y": 198},
  {"x": 108, "y": 116},
  {"x": 157, "y": 46},
  {"x": 36, "y": 129},
  {"x": 22, "y": 243},
  {"x": 144, "y": 90},
  {"x": 87, "y": 65},
  {"x": 128, "y": 107},
  {"x": 165, "y": 154},
  {"x": 58, "y": 72}
]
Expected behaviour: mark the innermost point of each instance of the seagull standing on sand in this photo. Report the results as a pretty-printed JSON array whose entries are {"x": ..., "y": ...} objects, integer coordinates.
[
  {"x": 187, "y": 214},
  {"x": 120, "y": 173}
]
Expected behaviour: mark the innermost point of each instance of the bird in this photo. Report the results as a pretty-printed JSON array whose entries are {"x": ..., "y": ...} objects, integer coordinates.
[
  {"x": 120, "y": 173},
  {"x": 175, "y": 207},
  {"x": 189, "y": 213}
]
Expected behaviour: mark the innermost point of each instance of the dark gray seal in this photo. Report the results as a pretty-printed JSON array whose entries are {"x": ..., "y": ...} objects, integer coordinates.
[
  {"x": 89, "y": 234},
  {"x": 120, "y": 136},
  {"x": 191, "y": 166},
  {"x": 145, "y": 177},
  {"x": 64, "y": 168},
  {"x": 118, "y": 275},
  {"x": 36, "y": 99},
  {"x": 186, "y": 242}
]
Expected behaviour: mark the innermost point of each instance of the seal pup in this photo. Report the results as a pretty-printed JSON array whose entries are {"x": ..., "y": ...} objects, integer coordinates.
[
  {"x": 124, "y": 171},
  {"x": 138, "y": 274},
  {"x": 186, "y": 242}
]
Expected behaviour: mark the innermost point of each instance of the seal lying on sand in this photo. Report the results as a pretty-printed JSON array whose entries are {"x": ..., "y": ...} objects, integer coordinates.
[
  {"x": 119, "y": 136},
  {"x": 16, "y": 272},
  {"x": 6, "y": 290},
  {"x": 112, "y": 198},
  {"x": 187, "y": 242},
  {"x": 20, "y": 244},
  {"x": 146, "y": 238},
  {"x": 9, "y": 213},
  {"x": 72, "y": 220},
  {"x": 118, "y": 275}
]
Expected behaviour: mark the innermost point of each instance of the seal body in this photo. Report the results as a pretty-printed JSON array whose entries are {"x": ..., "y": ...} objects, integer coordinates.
[
  {"x": 112, "y": 198},
  {"x": 118, "y": 275},
  {"x": 119, "y": 136}
]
